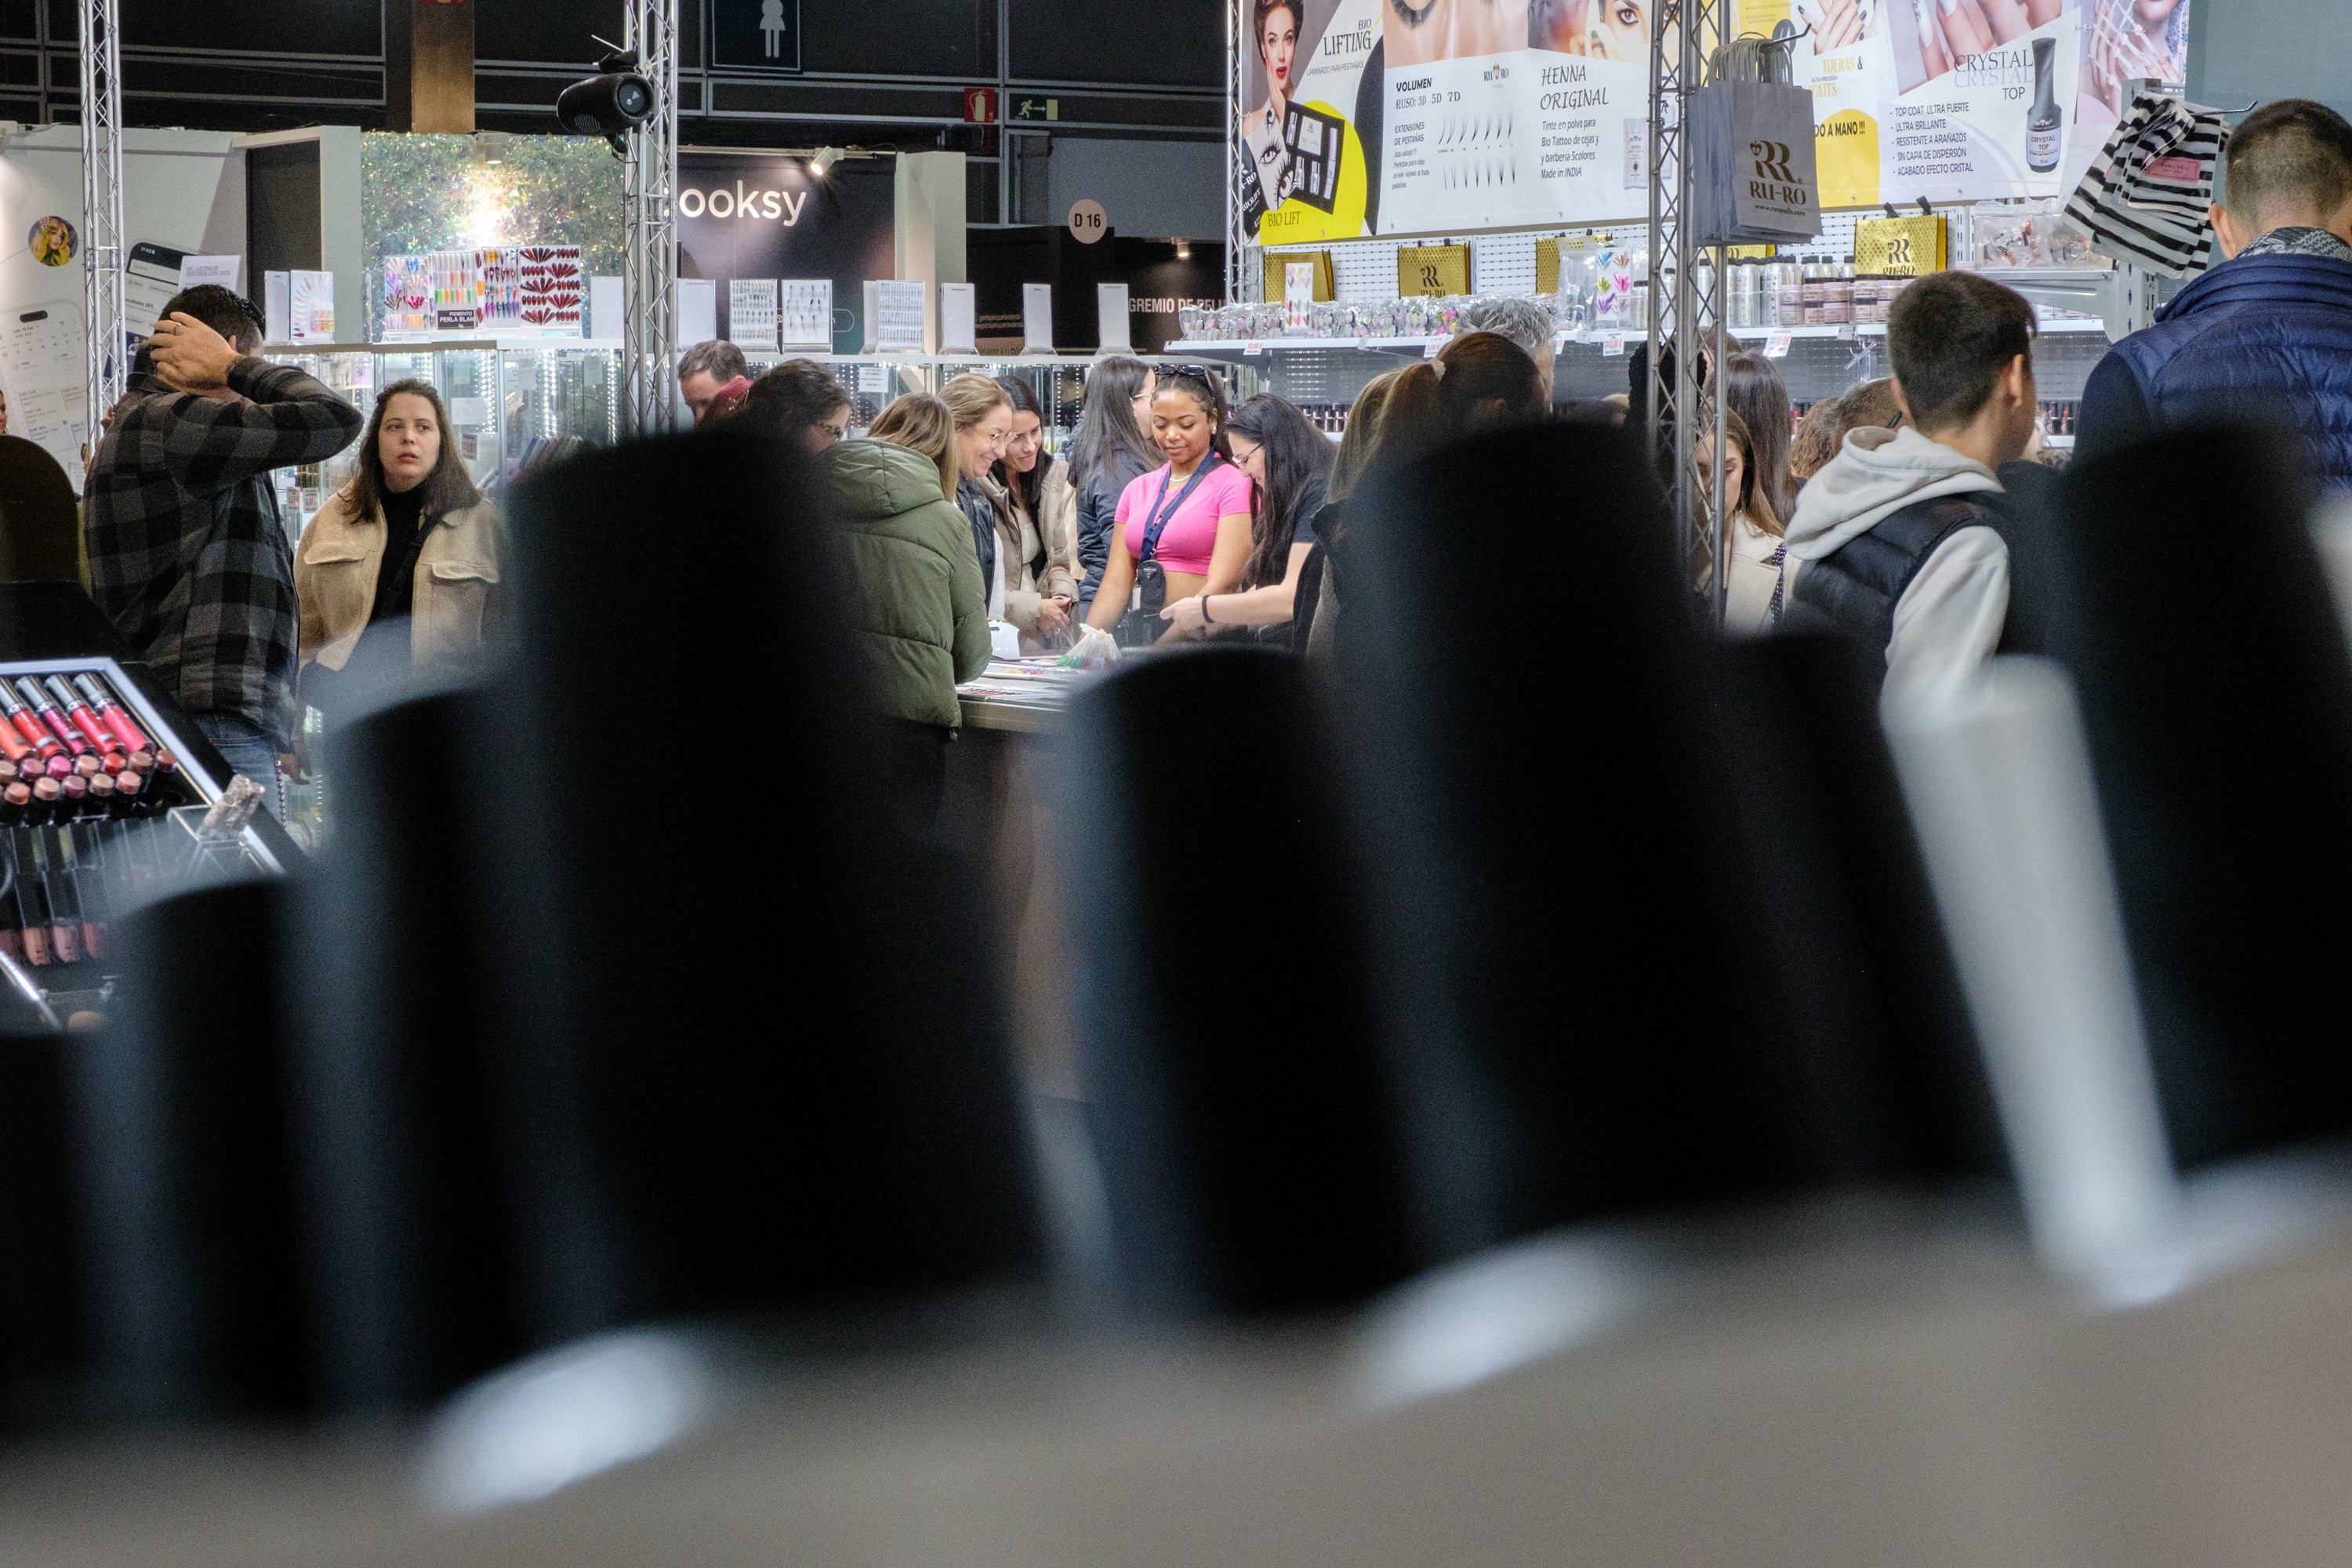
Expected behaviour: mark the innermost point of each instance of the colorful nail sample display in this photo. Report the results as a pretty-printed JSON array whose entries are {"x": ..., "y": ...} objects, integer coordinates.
[{"x": 80, "y": 784}]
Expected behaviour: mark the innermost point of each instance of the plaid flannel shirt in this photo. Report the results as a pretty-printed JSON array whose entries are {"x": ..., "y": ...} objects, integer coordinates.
[{"x": 188, "y": 556}]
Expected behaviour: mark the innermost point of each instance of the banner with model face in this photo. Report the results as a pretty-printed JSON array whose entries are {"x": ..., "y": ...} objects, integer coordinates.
[
  {"x": 1968, "y": 100},
  {"x": 1406, "y": 117}
]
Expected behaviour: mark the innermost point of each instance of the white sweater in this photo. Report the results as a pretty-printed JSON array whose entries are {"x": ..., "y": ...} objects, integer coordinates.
[{"x": 1950, "y": 620}]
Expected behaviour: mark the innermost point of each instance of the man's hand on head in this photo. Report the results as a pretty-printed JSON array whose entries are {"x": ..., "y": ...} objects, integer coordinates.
[{"x": 190, "y": 356}]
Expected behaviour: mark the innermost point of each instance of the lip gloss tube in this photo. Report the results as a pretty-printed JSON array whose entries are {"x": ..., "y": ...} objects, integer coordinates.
[
  {"x": 161, "y": 780},
  {"x": 73, "y": 798},
  {"x": 101, "y": 739},
  {"x": 127, "y": 792},
  {"x": 112, "y": 762},
  {"x": 65, "y": 915},
  {"x": 27, "y": 723},
  {"x": 44, "y": 809},
  {"x": 13, "y": 748},
  {"x": 15, "y": 802},
  {"x": 39, "y": 700},
  {"x": 32, "y": 913},
  {"x": 111, "y": 708}
]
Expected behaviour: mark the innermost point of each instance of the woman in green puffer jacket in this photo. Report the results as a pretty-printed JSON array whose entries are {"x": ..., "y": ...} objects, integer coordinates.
[{"x": 916, "y": 608}]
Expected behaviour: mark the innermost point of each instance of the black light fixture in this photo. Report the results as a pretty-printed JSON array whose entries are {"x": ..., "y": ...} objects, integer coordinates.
[{"x": 612, "y": 102}]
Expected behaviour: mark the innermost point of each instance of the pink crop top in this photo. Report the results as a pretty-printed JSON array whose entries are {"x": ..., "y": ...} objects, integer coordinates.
[{"x": 1191, "y": 537}]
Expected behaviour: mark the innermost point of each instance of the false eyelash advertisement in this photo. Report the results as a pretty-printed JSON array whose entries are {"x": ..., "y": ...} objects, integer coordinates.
[{"x": 1306, "y": 135}]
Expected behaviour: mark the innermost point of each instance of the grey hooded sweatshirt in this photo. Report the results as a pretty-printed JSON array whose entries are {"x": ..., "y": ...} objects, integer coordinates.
[{"x": 1950, "y": 620}]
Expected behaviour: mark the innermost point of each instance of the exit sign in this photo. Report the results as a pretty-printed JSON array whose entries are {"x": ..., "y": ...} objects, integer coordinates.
[
  {"x": 1037, "y": 109},
  {"x": 756, "y": 35}
]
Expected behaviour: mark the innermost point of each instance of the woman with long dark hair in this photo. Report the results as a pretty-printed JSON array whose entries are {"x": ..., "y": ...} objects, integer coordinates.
[
  {"x": 1107, "y": 455},
  {"x": 1753, "y": 389},
  {"x": 1039, "y": 546},
  {"x": 1288, "y": 462},
  {"x": 408, "y": 546},
  {"x": 1184, "y": 528}
]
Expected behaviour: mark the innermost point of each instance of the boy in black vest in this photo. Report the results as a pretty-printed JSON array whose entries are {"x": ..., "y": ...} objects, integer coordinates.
[{"x": 1897, "y": 541}]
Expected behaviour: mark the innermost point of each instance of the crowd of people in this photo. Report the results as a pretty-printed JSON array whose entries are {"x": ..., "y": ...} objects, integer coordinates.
[{"x": 1890, "y": 513}]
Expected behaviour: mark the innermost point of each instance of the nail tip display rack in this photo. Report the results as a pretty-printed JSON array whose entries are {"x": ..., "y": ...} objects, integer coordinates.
[{"x": 86, "y": 848}]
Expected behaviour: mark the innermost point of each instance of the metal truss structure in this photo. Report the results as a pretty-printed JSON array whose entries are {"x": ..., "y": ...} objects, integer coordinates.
[
  {"x": 1236, "y": 240},
  {"x": 649, "y": 228},
  {"x": 101, "y": 203},
  {"x": 1686, "y": 316}
]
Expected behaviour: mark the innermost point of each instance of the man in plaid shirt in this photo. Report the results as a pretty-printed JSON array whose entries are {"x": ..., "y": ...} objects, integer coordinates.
[{"x": 188, "y": 556}]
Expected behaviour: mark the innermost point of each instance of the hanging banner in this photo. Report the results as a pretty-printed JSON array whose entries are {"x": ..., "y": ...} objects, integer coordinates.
[
  {"x": 1307, "y": 141},
  {"x": 1960, "y": 100},
  {"x": 1434, "y": 117}
]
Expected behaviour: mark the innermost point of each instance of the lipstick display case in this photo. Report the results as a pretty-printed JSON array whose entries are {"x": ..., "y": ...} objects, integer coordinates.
[{"x": 108, "y": 793}]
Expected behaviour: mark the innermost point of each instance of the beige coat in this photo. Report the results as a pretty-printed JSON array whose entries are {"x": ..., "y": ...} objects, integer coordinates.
[
  {"x": 335, "y": 570},
  {"x": 1057, "y": 529}
]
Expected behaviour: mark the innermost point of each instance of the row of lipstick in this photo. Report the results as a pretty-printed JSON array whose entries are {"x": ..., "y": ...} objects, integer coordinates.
[
  {"x": 55, "y": 722},
  {"x": 139, "y": 786},
  {"x": 59, "y": 888}
]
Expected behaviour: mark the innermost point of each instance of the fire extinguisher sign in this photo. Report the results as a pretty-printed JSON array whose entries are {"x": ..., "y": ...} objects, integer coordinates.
[{"x": 979, "y": 106}]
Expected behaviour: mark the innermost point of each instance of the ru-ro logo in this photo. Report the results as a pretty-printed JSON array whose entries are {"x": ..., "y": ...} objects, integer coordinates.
[{"x": 1772, "y": 162}]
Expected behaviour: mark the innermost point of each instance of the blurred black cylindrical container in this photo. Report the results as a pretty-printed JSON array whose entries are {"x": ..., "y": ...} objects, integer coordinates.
[
  {"x": 1853, "y": 925},
  {"x": 187, "y": 1182},
  {"x": 43, "y": 1304},
  {"x": 2216, "y": 692},
  {"x": 1231, "y": 1064},
  {"x": 408, "y": 1210},
  {"x": 752, "y": 1053},
  {"x": 1590, "y": 1009}
]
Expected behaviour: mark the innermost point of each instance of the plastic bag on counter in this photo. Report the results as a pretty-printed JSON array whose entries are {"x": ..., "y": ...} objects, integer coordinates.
[{"x": 1095, "y": 649}]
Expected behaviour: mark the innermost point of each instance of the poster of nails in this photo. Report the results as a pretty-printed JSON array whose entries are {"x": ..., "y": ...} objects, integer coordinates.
[
  {"x": 552, "y": 289},
  {"x": 1408, "y": 117},
  {"x": 457, "y": 290},
  {"x": 501, "y": 271},
  {"x": 408, "y": 297},
  {"x": 1969, "y": 99}
]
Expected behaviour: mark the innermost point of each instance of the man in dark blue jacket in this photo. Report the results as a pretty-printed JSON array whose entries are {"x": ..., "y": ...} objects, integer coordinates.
[{"x": 2267, "y": 334}]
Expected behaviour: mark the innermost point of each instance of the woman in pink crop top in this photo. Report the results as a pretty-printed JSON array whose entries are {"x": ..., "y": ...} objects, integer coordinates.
[{"x": 1204, "y": 542}]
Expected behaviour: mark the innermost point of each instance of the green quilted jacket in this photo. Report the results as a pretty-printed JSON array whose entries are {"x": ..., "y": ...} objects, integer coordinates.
[{"x": 917, "y": 611}]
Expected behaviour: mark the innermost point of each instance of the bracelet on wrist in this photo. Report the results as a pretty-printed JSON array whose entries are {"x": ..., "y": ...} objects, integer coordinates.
[{"x": 1204, "y": 611}]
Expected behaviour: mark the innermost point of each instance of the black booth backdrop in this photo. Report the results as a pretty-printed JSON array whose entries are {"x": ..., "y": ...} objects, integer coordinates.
[
  {"x": 1000, "y": 260},
  {"x": 781, "y": 221}
]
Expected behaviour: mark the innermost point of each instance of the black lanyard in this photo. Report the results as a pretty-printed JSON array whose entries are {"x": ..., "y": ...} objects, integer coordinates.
[{"x": 1161, "y": 520}]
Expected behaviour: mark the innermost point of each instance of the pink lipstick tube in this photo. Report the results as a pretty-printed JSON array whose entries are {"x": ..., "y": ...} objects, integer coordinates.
[
  {"x": 27, "y": 723},
  {"x": 59, "y": 725},
  {"x": 117, "y": 716},
  {"x": 101, "y": 739}
]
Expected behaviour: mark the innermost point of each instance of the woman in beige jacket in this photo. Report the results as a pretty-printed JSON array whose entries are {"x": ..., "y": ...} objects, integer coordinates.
[
  {"x": 1037, "y": 530},
  {"x": 409, "y": 545}
]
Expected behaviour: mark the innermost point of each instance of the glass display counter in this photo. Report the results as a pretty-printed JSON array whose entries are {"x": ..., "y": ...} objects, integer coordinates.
[
  {"x": 517, "y": 402},
  {"x": 513, "y": 403}
]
